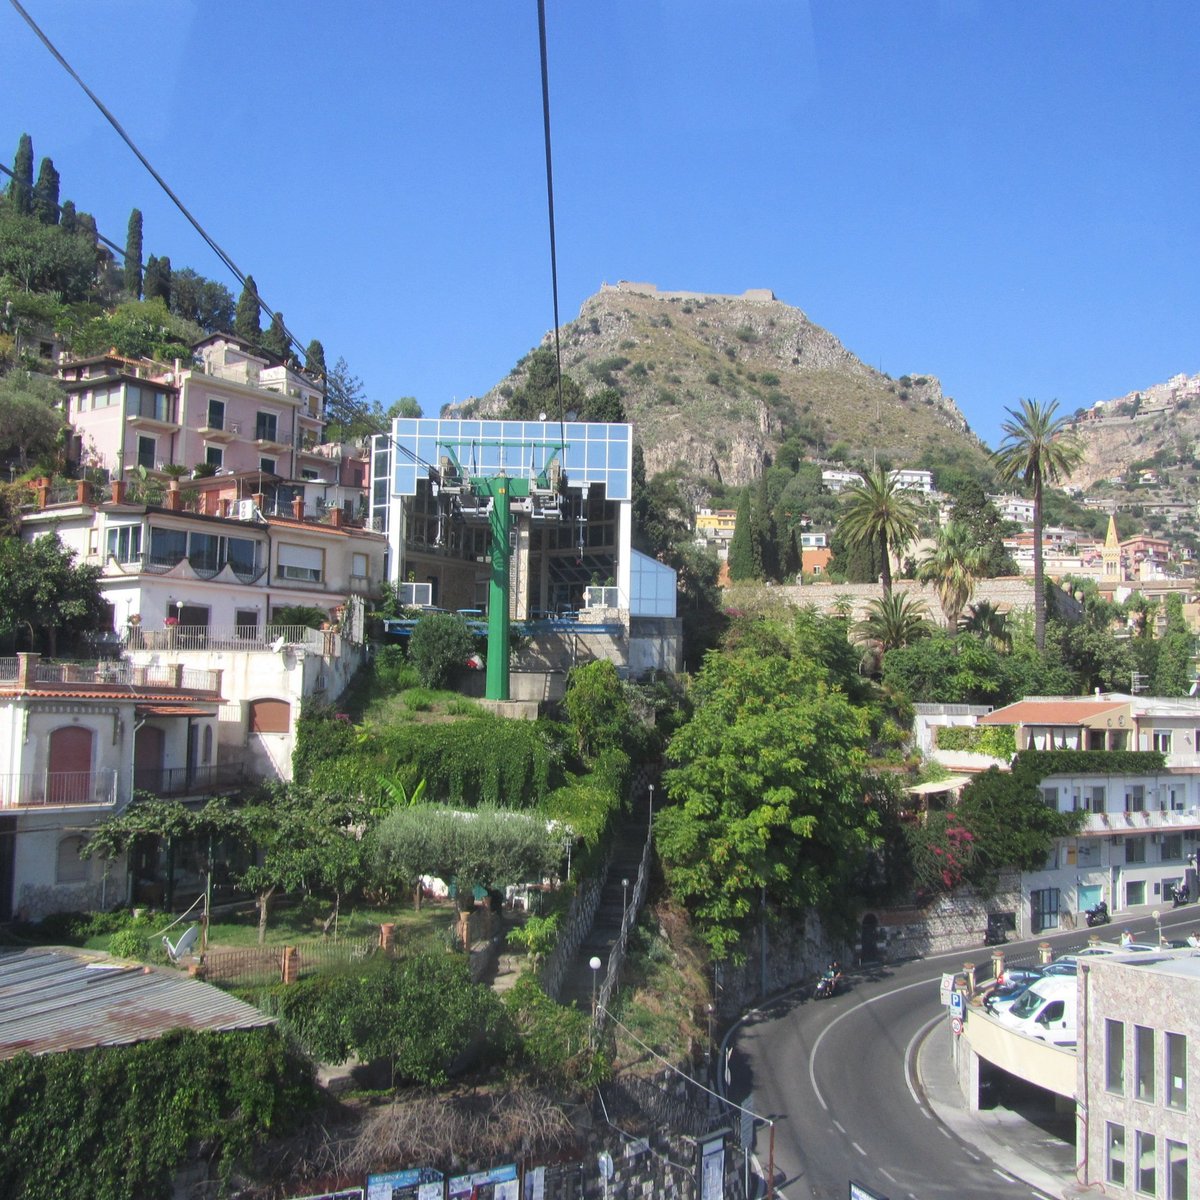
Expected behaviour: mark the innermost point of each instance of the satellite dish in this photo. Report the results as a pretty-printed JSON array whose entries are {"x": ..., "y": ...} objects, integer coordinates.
[
  {"x": 183, "y": 947},
  {"x": 278, "y": 643}
]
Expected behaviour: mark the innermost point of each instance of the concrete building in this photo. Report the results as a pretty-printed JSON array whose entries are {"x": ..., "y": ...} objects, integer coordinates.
[
  {"x": 574, "y": 578},
  {"x": 1138, "y": 1050}
]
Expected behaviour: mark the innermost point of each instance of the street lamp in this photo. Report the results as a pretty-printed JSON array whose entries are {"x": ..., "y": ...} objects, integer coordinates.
[
  {"x": 650, "y": 824},
  {"x": 708, "y": 1008},
  {"x": 594, "y": 963},
  {"x": 624, "y": 898}
]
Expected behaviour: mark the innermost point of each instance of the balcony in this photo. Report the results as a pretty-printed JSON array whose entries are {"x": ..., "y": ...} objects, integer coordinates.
[
  {"x": 59, "y": 789},
  {"x": 242, "y": 637},
  {"x": 227, "y": 431},
  {"x": 184, "y": 781},
  {"x": 1141, "y": 821},
  {"x": 159, "y": 416},
  {"x": 27, "y": 673}
]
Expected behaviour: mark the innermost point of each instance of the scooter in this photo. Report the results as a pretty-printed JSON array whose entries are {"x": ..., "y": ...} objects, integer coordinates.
[
  {"x": 827, "y": 985},
  {"x": 1098, "y": 914},
  {"x": 1180, "y": 895}
]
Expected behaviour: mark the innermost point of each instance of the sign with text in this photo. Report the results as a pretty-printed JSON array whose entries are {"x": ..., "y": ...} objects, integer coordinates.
[
  {"x": 499, "y": 1183},
  {"x": 420, "y": 1183},
  {"x": 860, "y": 1191}
]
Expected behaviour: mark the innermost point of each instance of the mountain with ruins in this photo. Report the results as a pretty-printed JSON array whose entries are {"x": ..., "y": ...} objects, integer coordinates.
[
  {"x": 1153, "y": 432},
  {"x": 714, "y": 384}
]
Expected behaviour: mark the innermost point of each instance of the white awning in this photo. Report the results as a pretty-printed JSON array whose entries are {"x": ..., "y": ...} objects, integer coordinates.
[{"x": 952, "y": 783}]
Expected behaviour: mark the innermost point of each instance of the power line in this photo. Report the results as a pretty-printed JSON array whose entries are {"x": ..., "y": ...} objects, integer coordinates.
[{"x": 112, "y": 120}]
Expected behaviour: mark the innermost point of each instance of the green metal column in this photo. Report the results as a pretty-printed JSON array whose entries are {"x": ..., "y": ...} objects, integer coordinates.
[{"x": 498, "y": 490}]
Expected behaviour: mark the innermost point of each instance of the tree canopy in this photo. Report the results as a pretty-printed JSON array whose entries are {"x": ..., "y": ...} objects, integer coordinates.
[
  {"x": 880, "y": 513},
  {"x": 45, "y": 594}
]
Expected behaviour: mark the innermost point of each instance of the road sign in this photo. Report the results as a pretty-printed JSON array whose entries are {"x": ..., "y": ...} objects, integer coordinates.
[
  {"x": 947, "y": 988},
  {"x": 956, "y": 1004},
  {"x": 956, "y": 1025}
]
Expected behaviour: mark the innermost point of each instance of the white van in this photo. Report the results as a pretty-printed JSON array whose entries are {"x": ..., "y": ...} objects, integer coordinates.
[{"x": 1046, "y": 1011}]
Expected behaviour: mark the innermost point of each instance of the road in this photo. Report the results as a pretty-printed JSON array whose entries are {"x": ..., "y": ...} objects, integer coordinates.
[{"x": 837, "y": 1078}]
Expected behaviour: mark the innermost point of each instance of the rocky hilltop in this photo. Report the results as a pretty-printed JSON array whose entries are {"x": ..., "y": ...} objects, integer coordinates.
[
  {"x": 715, "y": 383},
  {"x": 1159, "y": 424}
]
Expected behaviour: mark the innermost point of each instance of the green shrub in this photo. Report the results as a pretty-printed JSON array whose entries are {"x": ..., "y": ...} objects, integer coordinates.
[
  {"x": 999, "y": 741},
  {"x": 439, "y": 648},
  {"x": 554, "y": 1041},
  {"x": 393, "y": 670},
  {"x": 116, "y": 1123}
]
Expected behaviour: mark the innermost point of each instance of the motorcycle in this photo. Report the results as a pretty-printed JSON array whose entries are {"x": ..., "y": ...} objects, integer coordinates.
[
  {"x": 1180, "y": 895},
  {"x": 827, "y": 985},
  {"x": 1098, "y": 914}
]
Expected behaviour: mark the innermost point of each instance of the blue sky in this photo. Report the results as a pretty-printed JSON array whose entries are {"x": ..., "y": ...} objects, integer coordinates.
[{"x": 999, "y": 194}]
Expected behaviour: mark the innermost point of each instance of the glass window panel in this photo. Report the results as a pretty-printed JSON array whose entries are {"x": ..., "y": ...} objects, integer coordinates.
[
  {"x": 241, "y": 553},
  {"x": 1176, "y": 1067},
  {"x": 202, "y": 551},
  {"x": 167, "y": 545},
  {"x": 1114, "y": 1056},
  {"x": 1143, "y": 1062},
  {"x": 1177, "y": 1171},
  {"x": 1145, "y": 1163},
  {"x": 1114, "y": 1153}
]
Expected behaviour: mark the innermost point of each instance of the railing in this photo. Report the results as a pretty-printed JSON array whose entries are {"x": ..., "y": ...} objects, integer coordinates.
[
  {"x": 240, "y": 637},
  {"x": 184, "y": 781},
  {"x": 114, "y": 674},
  {"x": 52, "y": 789},
  {"x": 616, "y": 957},
  {"x": 1141, "y": 820}
]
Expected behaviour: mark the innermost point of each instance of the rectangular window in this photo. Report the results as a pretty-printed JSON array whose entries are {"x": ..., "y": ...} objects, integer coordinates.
[
  {"x": 309, "y": 473},
  {"x": 1098, "y": 800},
  {"x": 1114, "y": 1153},
  {"x": 1162, "y": 741},
  {"x": 1176, "y": 1068},
  {"x": 267, "y": 465},
  {"x": 1050, "y": 797},
  {"x": 214, "y": 456},
  {"x": 1145, "y": 1163},
  {"x": 1087, "y": 853},
  {"x": 216, "y": 414},
  {"x": 167, "y": 546},
  {"x": 1114, "y": 1057},
  {"x": 146, "y": 452},
  {"x": 265, "y": 425},
  {"x": 1172, "y": 847},
  {"x": 1135, "y": 849},
  {"x": 300, "y": 563},
  {"x": 1143, "y": 1062},
  {"x": 242, "y": 556},
  {"x": 125, "y": 543},
  {"x": 359, "y": 564},
  {"x": 1177, "y": 1171},
  {"x": 1135, "y": 892},
  {"x": 203, "y": 552},
  {"x": 1135, "y": 798},
  {"x": 245, "y": 621}
]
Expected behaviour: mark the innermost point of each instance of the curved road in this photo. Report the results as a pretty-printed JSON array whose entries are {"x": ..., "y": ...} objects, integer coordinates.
[{"x": 837, "y": 1077}]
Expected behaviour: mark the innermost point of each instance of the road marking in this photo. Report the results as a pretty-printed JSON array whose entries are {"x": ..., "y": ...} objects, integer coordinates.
[
  {"x": 943, "y": 1131},
  {"x": 887, "y": 1175},
  {"x": 812, "y": 1055},
  {"x": 859, "y": 1149},
  {"x": 1003, "y": 1175},
  {"x": 840, "y": 1128},
  {"x": 909, "y": 1081}
]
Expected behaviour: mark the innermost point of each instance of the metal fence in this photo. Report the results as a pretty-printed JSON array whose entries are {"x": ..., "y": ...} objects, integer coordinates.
[
  {"x": 53, "y": 789},
  {"x": 249, "y": 966},
  {"x": 123, "y": 674},
  {"x": 239, "y": 637}
]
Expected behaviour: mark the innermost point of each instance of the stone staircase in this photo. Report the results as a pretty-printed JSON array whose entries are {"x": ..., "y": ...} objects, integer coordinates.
[{"x": 606, "y": 927}]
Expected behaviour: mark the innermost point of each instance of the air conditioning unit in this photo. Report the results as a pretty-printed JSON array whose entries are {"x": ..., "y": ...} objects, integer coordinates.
[{"x": 247, "y": 510}]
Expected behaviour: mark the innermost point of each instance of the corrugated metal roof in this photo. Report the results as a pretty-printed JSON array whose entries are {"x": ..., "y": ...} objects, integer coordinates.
[{"x": 61, "y": 999}]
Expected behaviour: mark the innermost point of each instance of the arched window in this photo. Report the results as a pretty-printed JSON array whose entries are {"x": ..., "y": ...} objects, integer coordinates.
[{"x": 68, "y": 866}]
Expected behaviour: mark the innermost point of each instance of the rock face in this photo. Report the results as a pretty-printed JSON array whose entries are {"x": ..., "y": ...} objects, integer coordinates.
[
  {"x": 1161, "y": 421},
  {"x": 716, "y": 383}
]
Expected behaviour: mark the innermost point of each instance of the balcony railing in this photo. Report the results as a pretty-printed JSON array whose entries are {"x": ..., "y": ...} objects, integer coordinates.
[
  {"x": 107, "y": 675},
  {"x": 184, "y": 781},
  {"x": 240, "y": 637},
  {"x": 58, "y": 789},
  {"x": 1139, "y": 821}
]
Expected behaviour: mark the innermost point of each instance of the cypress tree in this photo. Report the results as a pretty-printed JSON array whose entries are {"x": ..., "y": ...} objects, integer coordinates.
[
  {"x": 314, "y": 359},
  {"x": 741, "y": 545},
  {"x": 275, "y": 340},
  {"x": 157, "y": 283},
  {"x": 67, "y": 221},
  {"x": 20, "y": 187},
  {"x": 245, "y": 320},
  {"x": 45, "y": 194},
  {"x": 133, "y": 255},
  {"x": 765, "y": 548}
]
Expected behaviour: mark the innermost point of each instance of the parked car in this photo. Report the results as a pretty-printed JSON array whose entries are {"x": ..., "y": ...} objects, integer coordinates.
[
  {"x": 1011, "y": 984},
  {"x": 1062, "y": 966},
  {"x": 1046, "y": 1011}
]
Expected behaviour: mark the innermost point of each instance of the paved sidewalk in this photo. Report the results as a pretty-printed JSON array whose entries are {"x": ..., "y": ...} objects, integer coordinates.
[{"x": 1023, "y": 1148}]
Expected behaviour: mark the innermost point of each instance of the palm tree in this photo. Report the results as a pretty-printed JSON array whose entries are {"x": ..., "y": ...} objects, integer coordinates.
[
  {"x": 880, "y": 514},
  {"x": 893, "y": 620},
  {"x": 1038, "y": 448},
  {"x": 952, "y": 566},
  {"x": 986, "y": 621}
]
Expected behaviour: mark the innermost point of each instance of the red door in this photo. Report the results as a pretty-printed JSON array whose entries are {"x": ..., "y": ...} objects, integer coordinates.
[{"x": 69, "y": 779}]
